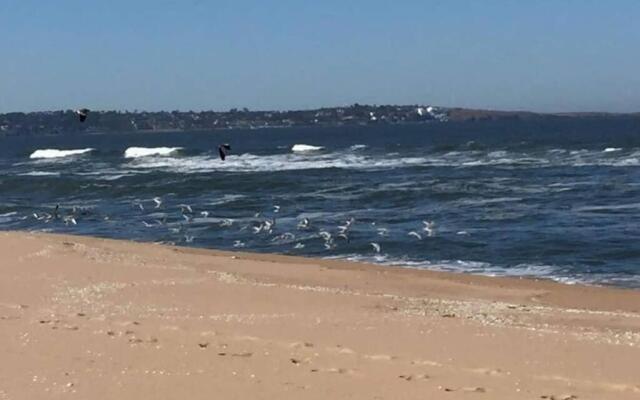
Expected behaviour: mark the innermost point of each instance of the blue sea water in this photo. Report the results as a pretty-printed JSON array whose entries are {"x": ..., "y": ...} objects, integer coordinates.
[{"x": 558, "y": 199}]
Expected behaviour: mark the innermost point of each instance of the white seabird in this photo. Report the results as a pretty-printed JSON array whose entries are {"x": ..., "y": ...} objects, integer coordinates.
[
  {"x": 429, "y": 227},
  {"x": 304, "y": 224},
  {"x": 415, "y": 234}
]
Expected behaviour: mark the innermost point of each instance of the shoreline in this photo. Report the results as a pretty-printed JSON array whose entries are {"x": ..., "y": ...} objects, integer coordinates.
[
  {"x": 461, "y": 277},
  {"x": 103, "y": 318}
]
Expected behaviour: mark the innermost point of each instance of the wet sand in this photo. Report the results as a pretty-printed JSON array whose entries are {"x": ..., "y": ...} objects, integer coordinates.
[{"x": 90, "y": 318}]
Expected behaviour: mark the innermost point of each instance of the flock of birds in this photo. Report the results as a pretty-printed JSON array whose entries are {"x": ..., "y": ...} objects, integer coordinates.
[{"x": 184, "y": 217}]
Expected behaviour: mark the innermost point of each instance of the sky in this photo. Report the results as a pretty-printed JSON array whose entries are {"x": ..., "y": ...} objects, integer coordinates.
[{"x": 539, "y": 55}]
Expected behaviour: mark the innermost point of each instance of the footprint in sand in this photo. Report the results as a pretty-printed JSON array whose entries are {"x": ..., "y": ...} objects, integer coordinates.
[
  {"x": 245, "y": 354},
  {"x": 334, "y": 370},
  {"x": 476, "y": 389},
  {"x": 414, "y": 377},
  {"x": 339, "y": 370}
]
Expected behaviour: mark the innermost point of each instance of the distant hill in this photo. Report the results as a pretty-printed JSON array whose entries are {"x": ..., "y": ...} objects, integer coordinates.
[{"x": 466, "y": 114}]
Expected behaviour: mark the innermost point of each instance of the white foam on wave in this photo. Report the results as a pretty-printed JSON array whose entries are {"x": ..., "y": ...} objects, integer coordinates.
[
  {"x": 40, "y": 173},
  {"x": 611, "y": 149},
  {"x": 135, "y": 152},
  {"x": 227, "y": 198},
  {"x": 497, "y": 154},
  {"x": 147, "y": 159},
  {"x": 278, "y": 162},
  {"x": 555, "y": 273},
  {"x": 358, "y": 147},
  {"x": 7, "y": 217},
  {"x": 305, "y": 148},
  {"x": 606, "y": 208},
  {"x": 57, "y": 153},
  {"x": 482, "y": 202}
]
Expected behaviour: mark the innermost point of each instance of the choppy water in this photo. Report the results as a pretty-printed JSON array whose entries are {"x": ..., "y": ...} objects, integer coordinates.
[{"x": 560, "y": 200}]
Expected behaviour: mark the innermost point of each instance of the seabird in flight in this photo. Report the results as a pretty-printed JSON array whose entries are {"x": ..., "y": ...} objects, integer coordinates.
[
  {"x": 304, "y": 224},
  {"x": 223, "y": 150},
  {"x": 82, "y": 114},
  {"x": 415, "y": 234},
  {"x": 429, "y": 227}
]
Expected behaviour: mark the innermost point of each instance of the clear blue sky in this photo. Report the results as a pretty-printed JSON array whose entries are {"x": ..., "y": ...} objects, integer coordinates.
[{"x": 195, "y": 54}]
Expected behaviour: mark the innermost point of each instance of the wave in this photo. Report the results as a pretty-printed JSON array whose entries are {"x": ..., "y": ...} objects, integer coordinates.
[
  {"x": 278, "y": 162},
  {"x": 135, "y": 152},
  {"x": 56, "y": 153},
  {"x": 611, "y": 149},
  {"x": 7, "y": 217},
  {"x": 305, "y": 148},
  {"x": 608, "y": 208},
  {"x": 552, "y": 272},
  {"x": 349, "y": 159},
  {"x": 146, "y": 159},
  {"x": 40, "y": 173}
]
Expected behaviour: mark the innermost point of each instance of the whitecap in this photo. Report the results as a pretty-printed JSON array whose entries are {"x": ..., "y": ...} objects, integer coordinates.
[
  {"x": 611, "y": 149},
  {"x": 358, "y": 147},
  {"x": 278, "y": 162},
  {"x": 305, "y": 147},
  {"x": 479, "y": 202},
  {"x": 626, "y": 162},
  {"x": 57, "y": 153},
  {"x": 40, "y": 173},
  {"x": 7, "y": 217},
  {"x": 606, "y": 208},
  {"x": 135, "y": 152}
]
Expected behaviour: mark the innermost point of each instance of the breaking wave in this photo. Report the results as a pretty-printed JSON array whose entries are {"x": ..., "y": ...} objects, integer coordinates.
[
  {"x": 365, "y": 160},
  {"x": 39, "y": 173},
  {"x": 552, "y": 272},
  {"x": 56, "y": 153},
  {"x": 277, "y": 162},
  {"x": 135, "y": 152},
  {"x": 305, "y": 148}
]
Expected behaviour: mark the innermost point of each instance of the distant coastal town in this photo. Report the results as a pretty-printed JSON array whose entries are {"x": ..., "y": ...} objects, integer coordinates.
[{"x": 66, "y": 121}]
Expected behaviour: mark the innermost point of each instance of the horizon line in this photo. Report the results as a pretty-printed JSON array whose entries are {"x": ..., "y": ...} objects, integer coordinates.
[{"x": 356, "y": 104}]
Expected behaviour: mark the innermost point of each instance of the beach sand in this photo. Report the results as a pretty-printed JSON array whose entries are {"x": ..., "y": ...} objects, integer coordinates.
[{"x": 89, "y": 318}]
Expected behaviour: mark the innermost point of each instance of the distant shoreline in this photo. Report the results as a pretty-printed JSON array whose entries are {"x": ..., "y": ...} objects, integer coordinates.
[{"x": 65, "y": 121}]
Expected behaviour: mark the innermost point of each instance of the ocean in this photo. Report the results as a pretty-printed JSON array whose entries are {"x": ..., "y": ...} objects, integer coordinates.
[{"x": 557, "y": 199}]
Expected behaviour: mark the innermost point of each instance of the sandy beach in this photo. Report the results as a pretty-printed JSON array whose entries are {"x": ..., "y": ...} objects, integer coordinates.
[{"x": 90, "y": 318}]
